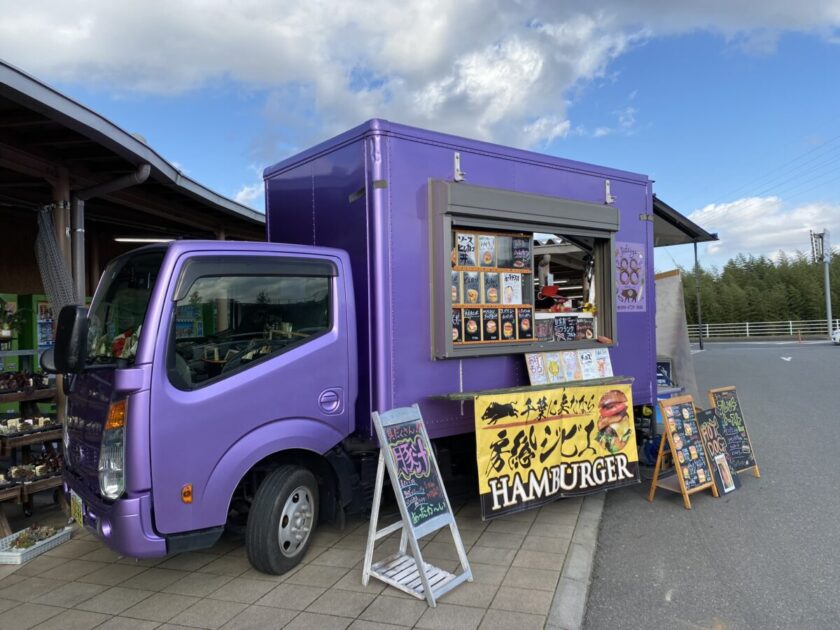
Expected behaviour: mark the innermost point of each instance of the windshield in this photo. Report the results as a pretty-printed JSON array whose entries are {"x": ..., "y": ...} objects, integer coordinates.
[{"x": 117, "y": 313}]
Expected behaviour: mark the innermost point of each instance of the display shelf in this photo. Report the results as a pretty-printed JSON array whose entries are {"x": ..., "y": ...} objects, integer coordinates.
[
  {"x": 12, "y": 493},
  {"x": 39, "y": 486},
  {"x": 18, "y": 353},
  {"x": 37, "y": 437},
  {"x": 33, "y": 396}
]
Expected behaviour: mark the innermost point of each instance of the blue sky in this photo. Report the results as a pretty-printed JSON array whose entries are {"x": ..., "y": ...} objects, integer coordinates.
[{"x": 730, "y": 106}]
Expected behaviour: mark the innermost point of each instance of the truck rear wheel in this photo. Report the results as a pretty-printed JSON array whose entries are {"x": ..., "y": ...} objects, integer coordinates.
[{"x": 282, "y": 516}]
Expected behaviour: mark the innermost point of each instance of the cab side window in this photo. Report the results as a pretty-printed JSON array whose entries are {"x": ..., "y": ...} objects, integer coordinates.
[{"x": 227, "y": 323}]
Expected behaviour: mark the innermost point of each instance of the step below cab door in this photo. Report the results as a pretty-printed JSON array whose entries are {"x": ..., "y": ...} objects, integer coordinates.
[{"x": 252, "y": 358}]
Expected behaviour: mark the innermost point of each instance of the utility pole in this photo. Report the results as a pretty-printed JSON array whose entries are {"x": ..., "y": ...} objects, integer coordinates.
[
  {"x": 821, "y": 251},
  {"x": 697, "y": 293}
]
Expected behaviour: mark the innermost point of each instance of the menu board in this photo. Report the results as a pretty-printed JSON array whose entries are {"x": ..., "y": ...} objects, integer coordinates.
[
  {"x": 507, "y": 323},
  {"x": 490, "y": 287},
  {"x": 457, "y": 325},
  {"x": 490, "y": 324},
  {"x": 565, "y": 328},
  {"x": 486, "y": 250},
  {"x": 472, "y": 324},
  {"x": 570, "y": 365},
  {"x": 525, "y": 320},
  {"x": 544, "y": 329},
  {"x": 491, "y": 270},
  {"x": 588, "y": 367},
  {"x": 554, "y": 367},
  {"x": 472, "y": 287},
  {"x": 687, "y": 450},
  {"x": 732, "y": 427},
  {"x": 421, "y": 489},
  {"x": 723, "y": 470}
]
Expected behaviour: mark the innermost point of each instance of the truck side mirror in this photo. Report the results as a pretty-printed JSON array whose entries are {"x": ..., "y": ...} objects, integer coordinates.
[
  {"x": 47, "y": 361},
  {"x": 71, "y": 337}
]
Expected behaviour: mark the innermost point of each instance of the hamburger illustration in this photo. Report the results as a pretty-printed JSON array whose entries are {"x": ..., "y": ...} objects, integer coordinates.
[
  {"x": 493, "y": 295},
  {"x": 472, "y": 325},
  {"x": 487, "y": 257},
  {"x": 491, "y": 326},
  {"x": 614, "y": 430},
  {"x": 472, "y": 296},
  {"x": 507, "y": 330}
]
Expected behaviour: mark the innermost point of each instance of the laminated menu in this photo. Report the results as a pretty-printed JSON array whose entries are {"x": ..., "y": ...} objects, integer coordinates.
[
  {"x": 565, "y": 328},
  {"x": 554, "y": 367},
  {"x": 466, "y": 249},
  {"x": 571, "y": 365},
  {"x": 490, "y": 287},
  {"x": 472, "y": 324},
  {"x": 588, "y": 367},
  {"x": 525, "y": 317},
  {"x": 686, "y": 443},
  {"x": 472, "y": 287},
  {"x": 457, "y": 326},
  {"x": 511, "y": 288},
  {"x": 456, "y": 287},
  {"x": 521, "y": 246},
  {"x": 504, "y": 254},
  {"x": 490, "y": 324},
  {"x": 507, "y": 323},
  {"x": 536, "y": 368},
  {"x": 486, "y": 250},
  {"x": 603, "y": 363}
]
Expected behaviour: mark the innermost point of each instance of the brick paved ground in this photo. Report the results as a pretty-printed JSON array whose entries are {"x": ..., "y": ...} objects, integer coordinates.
[{"x": 516, "y": 562}]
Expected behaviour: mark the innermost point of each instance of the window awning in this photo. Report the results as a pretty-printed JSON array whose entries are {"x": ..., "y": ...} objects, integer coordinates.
[{"x": 672, "y": 228}]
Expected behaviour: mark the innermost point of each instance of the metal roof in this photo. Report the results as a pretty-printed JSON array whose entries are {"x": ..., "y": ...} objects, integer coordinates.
[
  {"x": 42, "y": 130},
  {"x": 672, "y": 228}
]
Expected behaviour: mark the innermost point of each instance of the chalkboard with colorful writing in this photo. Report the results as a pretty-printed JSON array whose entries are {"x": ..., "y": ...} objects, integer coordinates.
[
  {"x": 712, "y": 435},
  {"x": 420, "y": 487},
  {"x": 733, "y": 428}
]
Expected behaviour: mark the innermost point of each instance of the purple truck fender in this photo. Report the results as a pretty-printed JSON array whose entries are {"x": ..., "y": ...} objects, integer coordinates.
[{"x": 275, "y": 437}]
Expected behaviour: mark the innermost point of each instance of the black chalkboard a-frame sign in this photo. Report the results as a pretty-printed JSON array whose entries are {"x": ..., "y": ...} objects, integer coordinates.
[
  {"x": 692, "y": 470},
  {"x": 734, "y": 429},
  {"x": 406, "y": 453}
]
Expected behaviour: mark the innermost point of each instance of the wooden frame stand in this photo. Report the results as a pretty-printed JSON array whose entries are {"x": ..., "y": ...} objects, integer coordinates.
[
  {"x": 676, "y": 482},
  {"x": 406, "y": 570}
]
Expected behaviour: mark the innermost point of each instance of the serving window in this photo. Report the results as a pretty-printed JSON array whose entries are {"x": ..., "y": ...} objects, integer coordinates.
[{"x": 518, "y": 273}]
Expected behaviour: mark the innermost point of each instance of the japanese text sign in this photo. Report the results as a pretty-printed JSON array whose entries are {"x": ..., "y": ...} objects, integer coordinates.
[
  {"x": 537, "y": 446},
  {"x": 420, "y": 485}
]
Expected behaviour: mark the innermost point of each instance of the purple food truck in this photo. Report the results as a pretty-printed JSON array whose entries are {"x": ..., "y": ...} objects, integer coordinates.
[{"x": 219, "y": 384}]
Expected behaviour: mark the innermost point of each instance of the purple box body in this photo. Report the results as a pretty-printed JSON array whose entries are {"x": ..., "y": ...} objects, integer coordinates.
[
  {"x": 361, "y": 199},
  {"x": 386, "y": 233}
]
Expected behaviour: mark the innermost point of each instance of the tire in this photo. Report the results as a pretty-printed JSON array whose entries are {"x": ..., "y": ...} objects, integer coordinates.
[{"x": 281, "y": 520}]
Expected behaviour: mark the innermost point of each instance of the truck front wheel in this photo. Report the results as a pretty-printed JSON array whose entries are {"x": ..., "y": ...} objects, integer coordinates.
[{"x": 282, "y": 516}]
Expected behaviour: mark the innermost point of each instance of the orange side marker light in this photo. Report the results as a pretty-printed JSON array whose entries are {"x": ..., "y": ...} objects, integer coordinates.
[{"x": 187, "y": 493}]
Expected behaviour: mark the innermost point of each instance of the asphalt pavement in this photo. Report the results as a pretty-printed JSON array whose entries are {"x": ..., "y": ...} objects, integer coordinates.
[{"x": 765, "y": 556}]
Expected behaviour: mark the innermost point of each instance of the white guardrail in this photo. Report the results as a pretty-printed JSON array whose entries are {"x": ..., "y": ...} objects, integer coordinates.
[{"x": 805, "y": 328}]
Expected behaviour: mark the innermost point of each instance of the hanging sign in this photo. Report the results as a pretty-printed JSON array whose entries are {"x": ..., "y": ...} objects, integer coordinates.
[
  {"x": 732, "y": 428},
  {"x": 534, "y": 447},
  {"x": 630, "y": 277}
]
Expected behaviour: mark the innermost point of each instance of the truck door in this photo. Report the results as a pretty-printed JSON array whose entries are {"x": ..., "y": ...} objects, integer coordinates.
[{"x": 250, "y": 345}]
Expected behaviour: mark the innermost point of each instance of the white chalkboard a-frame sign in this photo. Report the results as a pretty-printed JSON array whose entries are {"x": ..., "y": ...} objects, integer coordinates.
[{"x": 406, "y": 453}]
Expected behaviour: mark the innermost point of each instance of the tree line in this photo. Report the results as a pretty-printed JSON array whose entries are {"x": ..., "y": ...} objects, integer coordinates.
[{"x": 760, "y": 289}]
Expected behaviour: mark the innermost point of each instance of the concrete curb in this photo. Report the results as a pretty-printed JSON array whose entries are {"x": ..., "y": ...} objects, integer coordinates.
[{"x": 568, "y": 607}]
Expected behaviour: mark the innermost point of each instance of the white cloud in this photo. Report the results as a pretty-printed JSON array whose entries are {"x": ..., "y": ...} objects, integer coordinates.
[
  {"x": 492, "y": 69},
  {"x": 764, "y": 226},
  {"x": 247, "y": 194}
]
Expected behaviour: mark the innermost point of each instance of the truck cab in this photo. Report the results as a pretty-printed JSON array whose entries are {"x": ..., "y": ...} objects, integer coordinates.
[{"x": 209, "y": 383}]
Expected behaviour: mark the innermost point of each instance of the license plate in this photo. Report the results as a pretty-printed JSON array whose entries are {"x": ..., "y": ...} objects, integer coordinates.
[{"x": 77, "y": 509}]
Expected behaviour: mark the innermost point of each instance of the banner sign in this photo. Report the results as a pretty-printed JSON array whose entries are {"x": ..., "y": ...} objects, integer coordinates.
[
  {"x": 630, "y": 277},
  {"x": 537, "y": 446}
]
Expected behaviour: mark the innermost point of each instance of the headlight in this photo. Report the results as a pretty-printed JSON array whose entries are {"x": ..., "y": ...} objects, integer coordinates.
[
  {"x": 112, "y": 453},
  {"x": 112, "y": 464}
]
